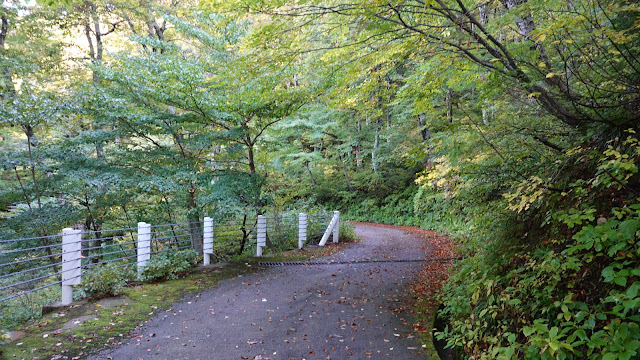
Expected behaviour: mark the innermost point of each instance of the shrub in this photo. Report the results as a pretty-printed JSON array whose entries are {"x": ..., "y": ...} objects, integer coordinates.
[
  {"x": 346, "y": 232},
  {"x": 169, "y": 265},
  {"x": 106, "y": 280}
]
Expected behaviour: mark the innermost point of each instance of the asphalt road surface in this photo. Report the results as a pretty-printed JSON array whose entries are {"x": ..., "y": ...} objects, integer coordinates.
[{"x": 345, "y": 310}]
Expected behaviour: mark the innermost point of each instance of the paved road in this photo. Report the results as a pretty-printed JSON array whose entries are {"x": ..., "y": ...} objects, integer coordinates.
[{"x": 340, "y": 311}]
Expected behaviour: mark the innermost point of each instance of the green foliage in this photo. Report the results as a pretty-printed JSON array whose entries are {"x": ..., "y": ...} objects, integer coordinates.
[
  {"x": 571, "y": 293},
  {"x": 393, "y": 209},
  {"x": 169, "y": 265},
  {"x": 107, "y": 280},
  {"x": 16, "y": 312},
  {"x": 347, "y": 233}
]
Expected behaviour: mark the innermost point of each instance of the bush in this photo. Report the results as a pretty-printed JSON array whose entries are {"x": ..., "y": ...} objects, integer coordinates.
[
  {"x": 346, "y": 232},
  {"x": 106, "y": 280},
  {"x": 169, "y": 265}
]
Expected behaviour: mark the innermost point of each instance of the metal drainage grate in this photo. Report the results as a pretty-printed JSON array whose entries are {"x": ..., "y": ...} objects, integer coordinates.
[{"x": 311, "y": 263}]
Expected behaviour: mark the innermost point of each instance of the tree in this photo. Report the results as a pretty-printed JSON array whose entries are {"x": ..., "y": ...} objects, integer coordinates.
[{"x": 578, "y": 60}]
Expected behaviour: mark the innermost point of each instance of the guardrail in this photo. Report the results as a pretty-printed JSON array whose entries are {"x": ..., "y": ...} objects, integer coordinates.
[{"x": 32, "y": 265}]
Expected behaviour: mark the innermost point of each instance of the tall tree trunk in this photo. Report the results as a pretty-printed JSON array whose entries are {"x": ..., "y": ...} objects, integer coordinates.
[
  {"x": 193, "y": 218},
  {"x": 7, "y": 89},
  {"x": 245, "y": 235},
  {"x": 313, "y": 181},
  {"x": 346, "y": 174},
  {"x": 426, "y": 135},
  {"x": 251, "y": 159},
  {"x": 93, "y": 33},
  {"x": 449, "y": 106},
  {"x": 485, "y": 115},
  {"x": 4, "y": 30},
  {"x": 424, "y": 130},
  {"x": 525, "y": 22},
  {"x": 358, "y": 144},
  {"x": 388, "y": 128},
  {"x": 94, "y": 37},
  {"x": 28, "y": 130},
  {"x": 374, "y": 161},
  {"x": 484, "y": 14},
  {"x": 156, "y": 31}
]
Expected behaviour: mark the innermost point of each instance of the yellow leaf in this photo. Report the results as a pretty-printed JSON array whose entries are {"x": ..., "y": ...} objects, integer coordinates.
[
  {"x": 542, "y": 65},
  {"x": 550, "y": 75},
  {"x": 542, "y": 38}
]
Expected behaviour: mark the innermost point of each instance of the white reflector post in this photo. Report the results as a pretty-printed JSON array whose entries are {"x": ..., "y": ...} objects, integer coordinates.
[
  {"x": 71, "y": 263},
  {"x": 261, "y": 236},
  {"x": 207, "y": 240},
  {"x": 336, "y": 227},
  {"x": 144, "y": 246},
  {"x": 302, "y": 230}
]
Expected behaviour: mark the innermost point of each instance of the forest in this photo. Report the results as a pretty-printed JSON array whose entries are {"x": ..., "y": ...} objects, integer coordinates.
[{"x": 511, "y": 125}]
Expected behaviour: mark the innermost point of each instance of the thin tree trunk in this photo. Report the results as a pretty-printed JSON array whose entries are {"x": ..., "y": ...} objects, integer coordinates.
[
  {"x": 388, "y": 129},
  {"x": 449, "y": 106},
  {"x": 313, "y": 181},
  {"x": 358, "y": 143},
  {"x": 94, "y": 34},
  {"x": 4, "y": 30},
  {"x": 251, "y": 159},
  {"x": 193, "y": 218},
  {"x": 426, "y": 135},
  {"x": 484, "y": 14},
  {"x": 32, "y": 169},
  {"x": 374, "y": 161},
  {"x": 32, "y": 165},
  {"x": 245, "y": 234},
  {"x": 346, "y": 174}
]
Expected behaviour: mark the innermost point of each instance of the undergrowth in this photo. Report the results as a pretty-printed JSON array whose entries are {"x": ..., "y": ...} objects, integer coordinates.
[{"x": 561, "y": 281}]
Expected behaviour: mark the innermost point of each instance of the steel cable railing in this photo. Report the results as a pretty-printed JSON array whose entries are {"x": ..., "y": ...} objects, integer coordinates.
[
  {"x": 30, "y": 267},
  {"x": 282, "y": 231},
  {"x": 317, "y": 224}
]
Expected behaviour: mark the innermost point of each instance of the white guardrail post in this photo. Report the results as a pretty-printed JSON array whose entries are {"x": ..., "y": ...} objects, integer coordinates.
[
  {"x": 207, "y": 240},
  {"x": 336, "y": 227},
  {"x": 330, "y": 228},
  {"x": 144, "y": 246},
  {"x": 71, "y": 263},
  {"x": 302, "y": 230},
  {"x": 261, "y": 237}
]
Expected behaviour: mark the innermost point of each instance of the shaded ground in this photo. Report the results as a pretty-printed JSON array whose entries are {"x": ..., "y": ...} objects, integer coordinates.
[{"x": 335, "y": 311}]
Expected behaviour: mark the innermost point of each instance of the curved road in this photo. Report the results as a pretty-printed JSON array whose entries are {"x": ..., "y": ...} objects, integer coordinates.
[{"x": 337, "y": 311}]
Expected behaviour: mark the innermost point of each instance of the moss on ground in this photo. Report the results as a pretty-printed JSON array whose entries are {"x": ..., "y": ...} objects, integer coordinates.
[{"x": 425, "y": 315}]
